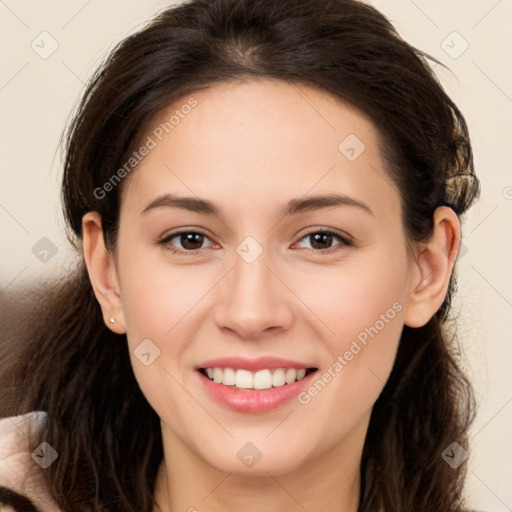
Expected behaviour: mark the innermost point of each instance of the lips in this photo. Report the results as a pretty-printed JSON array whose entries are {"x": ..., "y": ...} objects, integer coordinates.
[
  {"x": 254, "y": 385},
  {"x": 253, "y": 365}
]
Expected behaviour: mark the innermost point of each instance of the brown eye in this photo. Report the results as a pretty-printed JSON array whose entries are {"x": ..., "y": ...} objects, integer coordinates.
[
  {"x": 321, "y": 241},
  {"x": 189, "y": 242}
]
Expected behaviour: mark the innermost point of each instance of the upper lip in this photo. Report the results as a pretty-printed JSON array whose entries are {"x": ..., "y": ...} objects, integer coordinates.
[{"x": 260, "y": 363}]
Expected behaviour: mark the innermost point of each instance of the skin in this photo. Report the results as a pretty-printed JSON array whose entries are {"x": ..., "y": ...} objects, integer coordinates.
[{"x": 250, "y": 148}]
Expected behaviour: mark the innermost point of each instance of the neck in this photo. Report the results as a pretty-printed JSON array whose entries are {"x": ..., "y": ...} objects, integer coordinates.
[{"x": 328, "y": 483}]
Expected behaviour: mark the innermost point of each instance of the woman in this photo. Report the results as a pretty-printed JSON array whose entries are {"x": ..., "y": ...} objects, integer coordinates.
[{"x": 266, "y": 199}]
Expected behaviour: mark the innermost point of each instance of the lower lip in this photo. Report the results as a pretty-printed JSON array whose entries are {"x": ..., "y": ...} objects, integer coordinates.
[{"x": 249, "y": 400}]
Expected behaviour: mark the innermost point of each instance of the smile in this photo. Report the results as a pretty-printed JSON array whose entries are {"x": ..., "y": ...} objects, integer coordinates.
[
  {"x": 254, "y": 385},
  {"x": 262, "y": 379}
]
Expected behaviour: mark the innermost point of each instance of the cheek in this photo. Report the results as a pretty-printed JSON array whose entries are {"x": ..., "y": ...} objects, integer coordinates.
[
  {"x": 362, "y": 309},
  {"x": 156, "y": 295},
  {"x": 365, "y": 292},
  {"x": 158, "y": 305}
]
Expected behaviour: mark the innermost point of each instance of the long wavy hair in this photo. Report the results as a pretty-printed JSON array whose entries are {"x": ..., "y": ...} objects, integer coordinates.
[{"x": 68, "y": 363}]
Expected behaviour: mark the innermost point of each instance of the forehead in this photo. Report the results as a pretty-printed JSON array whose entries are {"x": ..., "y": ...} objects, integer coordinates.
[{"x": 261, "y": 142}]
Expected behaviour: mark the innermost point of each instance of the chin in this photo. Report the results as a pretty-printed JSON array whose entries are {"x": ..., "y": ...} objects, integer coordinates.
[{"x": 255, "y": 458}]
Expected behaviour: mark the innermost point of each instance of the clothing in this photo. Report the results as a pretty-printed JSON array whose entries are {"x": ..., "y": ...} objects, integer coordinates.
[{"x": 21, "y": 477}]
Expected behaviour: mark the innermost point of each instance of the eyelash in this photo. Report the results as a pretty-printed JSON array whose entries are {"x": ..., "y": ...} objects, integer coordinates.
[{"x": 345, "y": 242}]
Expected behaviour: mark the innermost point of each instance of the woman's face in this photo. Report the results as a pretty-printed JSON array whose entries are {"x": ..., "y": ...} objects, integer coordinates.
[{"x": 259, "y": 282}]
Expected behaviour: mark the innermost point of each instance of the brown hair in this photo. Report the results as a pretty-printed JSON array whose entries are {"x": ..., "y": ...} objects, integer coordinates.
[{"x": 79, "y": 371}]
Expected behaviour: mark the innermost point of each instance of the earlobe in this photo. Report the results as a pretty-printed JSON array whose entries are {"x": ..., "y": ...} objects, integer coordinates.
[
  {"x": 433, "y": 268},
  {"x": 102, "y": 272}
]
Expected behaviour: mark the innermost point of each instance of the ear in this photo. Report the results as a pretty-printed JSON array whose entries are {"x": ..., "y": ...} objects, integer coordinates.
[
  {"x": 433, "y": 267},
  {"x": 102, "y": 272}
]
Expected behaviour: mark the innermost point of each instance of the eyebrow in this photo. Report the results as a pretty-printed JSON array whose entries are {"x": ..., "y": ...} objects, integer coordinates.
[{"x": 293, "y": 207}]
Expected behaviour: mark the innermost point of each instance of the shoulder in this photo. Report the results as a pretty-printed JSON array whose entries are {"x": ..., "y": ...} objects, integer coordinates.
[{"x": 21, "y": 469}]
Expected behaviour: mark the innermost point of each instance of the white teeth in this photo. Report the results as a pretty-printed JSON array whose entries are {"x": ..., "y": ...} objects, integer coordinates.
[
  {"x": 243, "y": 379},
  {"x": 217, "y": 375},
  {"x": 291, "y": 375},
  {"x": 301, "y": 373},
  {"x": 278, "y": 378},
  {"x": 262, "y": 379},
  {"x": 229, "y": 377}
]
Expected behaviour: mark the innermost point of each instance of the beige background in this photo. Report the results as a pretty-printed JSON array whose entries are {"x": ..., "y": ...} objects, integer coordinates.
[{"x": 37, "y": 94}]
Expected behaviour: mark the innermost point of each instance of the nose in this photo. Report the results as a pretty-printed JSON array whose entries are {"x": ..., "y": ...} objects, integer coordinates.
[{"x": 253, "y": 300}]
